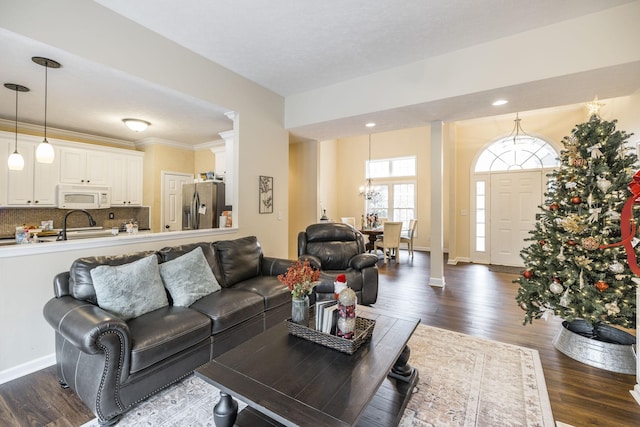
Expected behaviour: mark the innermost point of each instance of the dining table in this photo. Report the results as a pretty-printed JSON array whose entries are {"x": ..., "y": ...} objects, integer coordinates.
[{"x": 372, "y": 234}]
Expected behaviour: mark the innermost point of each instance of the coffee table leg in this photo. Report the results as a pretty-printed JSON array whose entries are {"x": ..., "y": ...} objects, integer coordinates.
[
  {"x": 226, "y": 411},
  {"x": 401, "y": 369}
]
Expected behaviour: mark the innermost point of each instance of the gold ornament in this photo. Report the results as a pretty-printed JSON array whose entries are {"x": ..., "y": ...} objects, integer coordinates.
[{"x": 590, "y": 243}]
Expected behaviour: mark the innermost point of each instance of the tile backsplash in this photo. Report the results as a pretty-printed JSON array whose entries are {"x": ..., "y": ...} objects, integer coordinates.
[{"x": 10, "y": 218}]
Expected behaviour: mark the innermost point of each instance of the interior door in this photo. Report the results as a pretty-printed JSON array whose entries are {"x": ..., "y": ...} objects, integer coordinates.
[
  {"x": 172, "y": 200},
  {"x": 515, "y": 197}
]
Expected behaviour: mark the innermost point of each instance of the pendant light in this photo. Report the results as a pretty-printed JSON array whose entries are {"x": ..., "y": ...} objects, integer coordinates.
[
  {"x": 45, "y": 152},
  {"x": 518, "y": 135},
  {"x": 16, "y": 161},
  {"x": 368, "y": 191}
]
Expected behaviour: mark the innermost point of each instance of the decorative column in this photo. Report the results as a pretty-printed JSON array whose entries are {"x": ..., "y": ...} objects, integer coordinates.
[{"x": 437, "y": 203}]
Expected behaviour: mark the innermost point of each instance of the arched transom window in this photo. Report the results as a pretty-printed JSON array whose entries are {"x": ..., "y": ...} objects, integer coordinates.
[{"x": 516, "y": 154}]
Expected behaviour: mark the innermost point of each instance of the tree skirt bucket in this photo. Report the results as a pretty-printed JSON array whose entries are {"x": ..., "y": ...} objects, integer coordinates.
[{"x": 603, "y": 347}]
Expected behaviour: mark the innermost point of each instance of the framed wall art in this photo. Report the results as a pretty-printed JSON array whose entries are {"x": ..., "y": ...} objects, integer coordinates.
[{"x": 265, "y": 193}]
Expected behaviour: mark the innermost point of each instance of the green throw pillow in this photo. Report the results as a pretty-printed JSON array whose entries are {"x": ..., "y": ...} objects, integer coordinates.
[
  {"x": 130, "y": 290},
  {"x": 188, "y": 278}
]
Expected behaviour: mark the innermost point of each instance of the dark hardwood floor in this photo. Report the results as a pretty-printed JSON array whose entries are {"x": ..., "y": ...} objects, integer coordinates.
[{"x": 474, "y": 301}]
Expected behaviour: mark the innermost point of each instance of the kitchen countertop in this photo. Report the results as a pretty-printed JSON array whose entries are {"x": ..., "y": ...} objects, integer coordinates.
[{"x": 12, "y": 249}]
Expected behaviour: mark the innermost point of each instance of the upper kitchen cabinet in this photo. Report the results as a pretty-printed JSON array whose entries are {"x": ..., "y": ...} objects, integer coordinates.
[
  {"x": 80, "y": 166},
  {"x": 5, "y": 146},
  {"x": 35, "y": 184},
  {"x": 125, "y": 173}
]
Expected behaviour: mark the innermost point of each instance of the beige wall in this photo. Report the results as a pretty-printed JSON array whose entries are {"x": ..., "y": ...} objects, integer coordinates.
[
  {"x": 342, "y": 164},
  {"x": 204, "y": 161},
  {"x": 303, "y": 190},
  {"x": 262, "y": 146}
]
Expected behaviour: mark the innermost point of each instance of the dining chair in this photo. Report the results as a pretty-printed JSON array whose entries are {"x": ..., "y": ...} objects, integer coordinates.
[
  {"x": 391, "y": 241},
  {"x": 349, "y": 220},
  {"x": 408, "y": 238}
]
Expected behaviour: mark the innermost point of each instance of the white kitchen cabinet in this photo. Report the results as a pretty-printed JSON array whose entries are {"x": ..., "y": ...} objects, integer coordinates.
[
  {"x": 35, "y": 185},
  {"x": 5, "y": 146},
  {"x": 125, "y": 180},
  {"x": 78, "y": 166}
]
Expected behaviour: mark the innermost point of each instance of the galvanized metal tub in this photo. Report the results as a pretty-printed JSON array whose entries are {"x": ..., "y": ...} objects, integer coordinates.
[{"x": 606, "y": 347}]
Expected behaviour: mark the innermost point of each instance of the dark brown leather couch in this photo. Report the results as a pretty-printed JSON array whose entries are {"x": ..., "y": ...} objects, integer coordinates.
[{"x": 113, "y": 364}]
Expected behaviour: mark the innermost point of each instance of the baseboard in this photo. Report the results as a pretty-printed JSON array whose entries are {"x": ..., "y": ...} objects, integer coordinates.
[
  {"x": 27, "y": 368},
  {"x": 636, "y": 393},
  {"x": 456, "y": 260}
]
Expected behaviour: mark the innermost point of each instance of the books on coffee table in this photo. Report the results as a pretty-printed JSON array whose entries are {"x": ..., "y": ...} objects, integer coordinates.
[{"x": 326, "y": 315}]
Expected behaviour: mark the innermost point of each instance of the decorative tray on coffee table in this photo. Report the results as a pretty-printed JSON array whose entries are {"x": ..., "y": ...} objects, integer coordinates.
[{"x": 364, "y": 330}]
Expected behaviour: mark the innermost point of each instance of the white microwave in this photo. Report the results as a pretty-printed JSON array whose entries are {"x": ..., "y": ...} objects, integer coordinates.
[{"x": 83, "y": 197}]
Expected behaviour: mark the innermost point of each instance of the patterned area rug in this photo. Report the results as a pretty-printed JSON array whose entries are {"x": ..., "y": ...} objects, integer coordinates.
[{"x": 464, "y": 381}]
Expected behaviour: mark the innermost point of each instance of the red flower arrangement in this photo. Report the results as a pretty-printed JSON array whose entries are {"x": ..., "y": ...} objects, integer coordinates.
[{"x": 300, "y": 278}]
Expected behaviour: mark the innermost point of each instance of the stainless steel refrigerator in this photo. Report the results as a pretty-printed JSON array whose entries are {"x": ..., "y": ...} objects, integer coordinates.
[{"x": 202, "y": 205}]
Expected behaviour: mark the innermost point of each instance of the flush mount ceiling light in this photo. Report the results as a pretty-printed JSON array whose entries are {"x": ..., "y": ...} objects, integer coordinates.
[
  {"x": 136, "y": 124},
  {"x": 370, "y": 125},
  {"x": 499, "y": 102},
  {"x": 16, "y": 161},
  {"x": 45, "y": 152}
]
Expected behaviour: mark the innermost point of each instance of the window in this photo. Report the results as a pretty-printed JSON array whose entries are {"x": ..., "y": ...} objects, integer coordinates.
[
  {"x": 481, "y": 217},
  {"x": 387, "y": 168},
  {"x": 397, "y": 195},
  {"x": 525, "y": 153}
]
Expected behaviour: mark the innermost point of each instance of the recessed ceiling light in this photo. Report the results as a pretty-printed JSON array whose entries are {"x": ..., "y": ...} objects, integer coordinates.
[
  {"x": 370, "y": 124},
  {"x": 499, "y": 102}
]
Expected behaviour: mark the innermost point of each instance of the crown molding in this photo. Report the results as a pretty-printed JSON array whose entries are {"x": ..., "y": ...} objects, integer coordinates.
[{"x": 70, "y": 135}]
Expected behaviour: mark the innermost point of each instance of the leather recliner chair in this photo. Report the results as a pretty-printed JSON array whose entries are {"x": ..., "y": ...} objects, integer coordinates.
[{"x": 336, "y": 248}]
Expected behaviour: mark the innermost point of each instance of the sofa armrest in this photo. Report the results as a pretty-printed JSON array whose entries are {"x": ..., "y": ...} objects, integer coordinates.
[
  {"x": 83, "y": 324},
  {"x": 362, "y": 261},
  {"x": 274, "y": 266},
  {"x": 314, "y": 261}
]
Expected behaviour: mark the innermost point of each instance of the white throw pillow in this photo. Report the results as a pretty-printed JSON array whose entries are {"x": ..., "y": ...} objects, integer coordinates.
[
  {"x": 188, "y": 278},
  {"x": 130, "y": 290}
]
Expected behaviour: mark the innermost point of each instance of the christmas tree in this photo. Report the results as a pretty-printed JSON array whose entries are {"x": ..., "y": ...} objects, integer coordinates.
[{"x": 577, "y": 266}]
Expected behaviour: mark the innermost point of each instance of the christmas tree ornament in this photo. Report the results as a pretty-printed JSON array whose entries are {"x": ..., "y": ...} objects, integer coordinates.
[
  {"x": 556, "y": 287},
  {"x": 601, "y": 285},
  {"x": 578, "y": 162},
  {"x": 590, "y": 243},
  {"x": 528, "y": 274},
  {"x": 603, "y": 184},
  {"x": 571, "y": 242},
  {"x": 576, "y": 200},
  {"x": 565, "y": 299},
  {"x": 612, "y": 308},
  {"x": 561, "y": 257},
  {"x": 616, "y": 267},
  {"x": 542, "y": 242},
  {"x": 554, "y": 206}
]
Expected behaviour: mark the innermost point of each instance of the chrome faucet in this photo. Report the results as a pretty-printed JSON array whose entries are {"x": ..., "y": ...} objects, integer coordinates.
[{"x": 63, "y": 233}]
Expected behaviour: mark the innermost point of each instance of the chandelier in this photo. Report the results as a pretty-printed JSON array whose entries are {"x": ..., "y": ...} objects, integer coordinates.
[
  {"x": 517, "y": 135},
  {"x": 368, "y": 191}
]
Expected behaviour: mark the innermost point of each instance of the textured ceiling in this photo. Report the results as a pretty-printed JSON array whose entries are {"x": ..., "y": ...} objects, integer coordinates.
[{"x": 288, "y": 46}]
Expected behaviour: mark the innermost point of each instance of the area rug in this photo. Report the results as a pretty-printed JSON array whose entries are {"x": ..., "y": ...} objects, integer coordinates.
[{"x": 464, "y": 381}]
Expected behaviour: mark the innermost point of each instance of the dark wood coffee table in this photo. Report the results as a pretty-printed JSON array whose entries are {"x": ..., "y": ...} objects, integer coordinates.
[{"x": 290, "y": 381}]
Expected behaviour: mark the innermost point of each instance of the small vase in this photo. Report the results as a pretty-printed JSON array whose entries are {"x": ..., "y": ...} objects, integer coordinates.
[{"x": 300, "y": 310}]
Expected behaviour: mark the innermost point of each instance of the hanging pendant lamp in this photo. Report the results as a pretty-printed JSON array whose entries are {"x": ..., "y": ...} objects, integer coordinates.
[
  {"x": 517, "y": 134},
  {"x": 368, "y": 191},
  {"x": 45, "y": 152},
  {"x": 16, "y": 161}
]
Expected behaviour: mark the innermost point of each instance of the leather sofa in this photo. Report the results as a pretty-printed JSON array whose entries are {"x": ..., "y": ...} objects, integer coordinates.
[
  {"x": 336, "y": 248},
  {"x": 112, "y": 363}
]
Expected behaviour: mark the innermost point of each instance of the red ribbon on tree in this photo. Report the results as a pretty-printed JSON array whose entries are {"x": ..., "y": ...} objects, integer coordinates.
[{"x": 628, "y": 227}]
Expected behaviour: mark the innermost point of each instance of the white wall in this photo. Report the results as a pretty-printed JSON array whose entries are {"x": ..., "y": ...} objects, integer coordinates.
[{"x": 86, "y": 29}]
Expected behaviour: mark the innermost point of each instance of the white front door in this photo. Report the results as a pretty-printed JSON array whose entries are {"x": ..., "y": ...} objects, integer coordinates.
[
  {"x": 515, "y": 197},
  {"x": 172, "y": 199}
]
